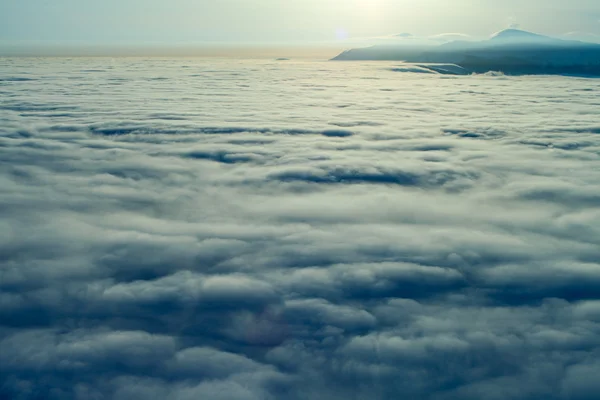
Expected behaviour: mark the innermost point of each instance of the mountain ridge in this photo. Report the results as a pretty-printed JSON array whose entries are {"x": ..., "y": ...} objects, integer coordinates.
[{"x": 511, "y": 51}]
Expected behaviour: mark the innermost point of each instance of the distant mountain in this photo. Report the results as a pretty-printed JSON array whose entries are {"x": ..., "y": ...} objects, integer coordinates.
[
  {"x": 511, "y": 51},
  {"x": 517, "y": 35}
]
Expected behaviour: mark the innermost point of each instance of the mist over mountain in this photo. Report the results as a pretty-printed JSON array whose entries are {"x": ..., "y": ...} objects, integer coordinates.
[
  {"x": 511, "y": 51},
  {"x": 518, "y": 35}
]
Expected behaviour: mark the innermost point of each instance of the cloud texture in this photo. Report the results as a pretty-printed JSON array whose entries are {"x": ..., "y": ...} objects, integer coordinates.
[{"x": 262, "y": 230}]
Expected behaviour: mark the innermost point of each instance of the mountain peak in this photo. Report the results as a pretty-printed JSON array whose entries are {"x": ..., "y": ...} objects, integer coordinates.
[{"x": 518, "y": 35}]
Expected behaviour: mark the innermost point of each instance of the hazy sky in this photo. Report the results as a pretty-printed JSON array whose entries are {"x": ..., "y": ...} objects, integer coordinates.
[{"x": 132, "y": 21}]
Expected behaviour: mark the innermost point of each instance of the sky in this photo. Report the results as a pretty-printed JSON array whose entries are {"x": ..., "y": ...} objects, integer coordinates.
[{"x": 269, "y": 21}]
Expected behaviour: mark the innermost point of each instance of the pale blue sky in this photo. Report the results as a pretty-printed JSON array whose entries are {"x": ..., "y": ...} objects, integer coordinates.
[{"x": 136, "y": 21}]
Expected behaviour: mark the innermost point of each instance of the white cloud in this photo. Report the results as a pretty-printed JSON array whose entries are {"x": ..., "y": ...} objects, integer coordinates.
[{"x": 255, "y": 230}]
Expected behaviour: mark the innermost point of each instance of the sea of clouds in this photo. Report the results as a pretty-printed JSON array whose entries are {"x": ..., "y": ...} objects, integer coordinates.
[{"x": 205, "y": 229}]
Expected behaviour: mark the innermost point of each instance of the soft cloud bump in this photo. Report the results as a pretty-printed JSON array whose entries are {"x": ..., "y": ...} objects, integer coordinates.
[{"x": 258, "y": 230}]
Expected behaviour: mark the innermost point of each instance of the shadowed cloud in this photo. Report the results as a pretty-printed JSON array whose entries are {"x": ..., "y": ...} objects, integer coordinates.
[{"x": 412, "y": 236}]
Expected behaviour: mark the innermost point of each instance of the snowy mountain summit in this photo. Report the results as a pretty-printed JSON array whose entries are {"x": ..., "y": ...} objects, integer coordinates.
[
  {"x": 511, "y": 35},
  {"x": 511, "y": 51}
]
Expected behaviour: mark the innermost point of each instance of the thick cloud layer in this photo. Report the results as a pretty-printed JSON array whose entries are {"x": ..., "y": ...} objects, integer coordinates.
[{"x": 196, "y": 229}]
